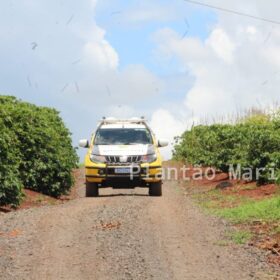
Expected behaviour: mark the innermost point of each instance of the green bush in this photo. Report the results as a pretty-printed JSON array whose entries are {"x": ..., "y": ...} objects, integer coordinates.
[
  {"x": 41, "y": 150},
  {"x": 10, "y": 183},
  {"x": 253, "y": 143},
  {"x": 207, "y": 146}
]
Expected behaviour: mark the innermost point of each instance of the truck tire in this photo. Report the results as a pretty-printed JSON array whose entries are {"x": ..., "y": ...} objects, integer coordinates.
[
  {"x": 155, "y": 189},
  {"x": 92, "y": 189}
]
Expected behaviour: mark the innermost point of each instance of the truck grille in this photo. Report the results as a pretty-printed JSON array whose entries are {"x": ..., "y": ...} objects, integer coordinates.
[{"x": 123, "y": 159}]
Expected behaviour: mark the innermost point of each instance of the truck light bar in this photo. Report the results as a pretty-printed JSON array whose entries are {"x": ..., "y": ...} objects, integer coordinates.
[{"x": 114, "y": 121}]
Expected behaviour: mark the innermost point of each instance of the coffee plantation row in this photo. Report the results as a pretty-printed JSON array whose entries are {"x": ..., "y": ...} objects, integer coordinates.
[
  {"x": 35, "y": 151},
  {"x": 252, "y": 143}
]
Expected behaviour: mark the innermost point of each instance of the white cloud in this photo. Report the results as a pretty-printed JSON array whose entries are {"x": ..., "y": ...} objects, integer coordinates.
[
  {"x": 101, "y": 54},
  {"x": 236, "y": 67},
  {"x": 166, "y": 126},
  {"x": 93, "y": 3},
  {"x": 222, "y": 45},
  {"x": 136, "y": 83},
  {"x": 251, "y": 30},
  {"x": 131, "y": 86},
  {"x": 120, "y": 111}
]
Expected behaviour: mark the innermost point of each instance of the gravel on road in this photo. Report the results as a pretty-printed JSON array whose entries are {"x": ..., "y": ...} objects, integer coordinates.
[{"x": 123, "y": 234}]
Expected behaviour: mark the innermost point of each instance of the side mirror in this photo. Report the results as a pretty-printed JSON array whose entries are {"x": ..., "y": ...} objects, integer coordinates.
[
  {"x": 83, "y": 143},
  {"x": 162, "y": 143}
]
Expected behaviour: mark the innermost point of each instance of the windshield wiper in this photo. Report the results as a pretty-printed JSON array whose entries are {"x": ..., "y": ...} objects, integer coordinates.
[{"x": 133, "y": 143}]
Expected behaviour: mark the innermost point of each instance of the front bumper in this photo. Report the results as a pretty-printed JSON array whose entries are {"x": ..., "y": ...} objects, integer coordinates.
[{"x": 107, "y": 173}]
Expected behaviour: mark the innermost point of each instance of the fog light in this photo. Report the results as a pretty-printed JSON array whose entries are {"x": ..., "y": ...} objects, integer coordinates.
[
  {"x": 145, "y": 171},
  {"x": 101, "y": 172}
]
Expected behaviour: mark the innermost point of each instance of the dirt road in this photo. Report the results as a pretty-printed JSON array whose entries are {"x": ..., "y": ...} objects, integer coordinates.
[{"x": 124, "y": 234}]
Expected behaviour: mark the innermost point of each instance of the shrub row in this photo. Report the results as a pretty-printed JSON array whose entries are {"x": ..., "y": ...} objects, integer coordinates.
[
  {"x": 35, "y": 150},
  {"x": 252, "y": 143}
]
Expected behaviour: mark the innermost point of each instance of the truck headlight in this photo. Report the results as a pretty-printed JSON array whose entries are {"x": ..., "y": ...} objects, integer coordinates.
[
  {"x": 149, "y": 158},
  {"x": 97, "y": 158}
]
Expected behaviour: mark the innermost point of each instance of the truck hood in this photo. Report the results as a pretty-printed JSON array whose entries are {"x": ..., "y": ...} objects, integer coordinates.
[{"x": 124, "y": 150}]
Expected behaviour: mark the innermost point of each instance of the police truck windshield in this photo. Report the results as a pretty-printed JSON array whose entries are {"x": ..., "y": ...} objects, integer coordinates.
[{"x": 123, "y": 136}]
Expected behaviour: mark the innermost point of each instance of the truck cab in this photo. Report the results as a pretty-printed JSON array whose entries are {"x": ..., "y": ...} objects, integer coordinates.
[{"x": 123, "y": 154}]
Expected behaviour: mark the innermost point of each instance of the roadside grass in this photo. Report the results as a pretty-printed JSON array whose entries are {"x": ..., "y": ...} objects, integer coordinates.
[
  {"x": 81, "y": 165},
  {"x": 240, "y": 209},
  {"x": 254, "y": 219},
  {"x": 215, "y": 199},
  {"x": 240, "y": 236},
  {"x": 264, "y": 210}
]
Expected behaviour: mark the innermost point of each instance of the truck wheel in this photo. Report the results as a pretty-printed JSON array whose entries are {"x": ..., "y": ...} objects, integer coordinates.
[
  {"x": 155, "y": 189},
  {"x": 92, "y": 189}
]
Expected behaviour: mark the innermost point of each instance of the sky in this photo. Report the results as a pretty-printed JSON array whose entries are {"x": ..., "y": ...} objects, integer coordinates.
[{"x": 173, "y": 62}]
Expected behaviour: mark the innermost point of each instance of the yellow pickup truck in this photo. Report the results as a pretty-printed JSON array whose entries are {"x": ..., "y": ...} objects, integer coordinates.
[{"x": 123, "y": 154}]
